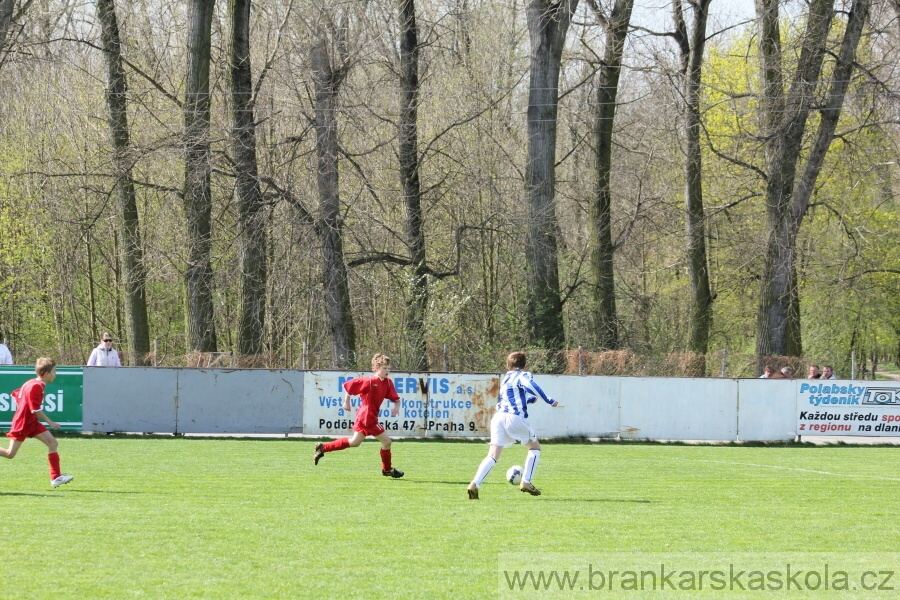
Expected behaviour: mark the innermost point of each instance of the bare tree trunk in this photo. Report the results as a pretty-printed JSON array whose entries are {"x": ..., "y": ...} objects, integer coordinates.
[
  {"x": 92, "y": 283},
  {"x": 692, "y": 46},
  {"x": 548, "y": 23},
  {"x": 602, "y": 249},
  {"x": 6, "y": 13},
  {"x": 201, "y": 333},
  {"x": 327, "y": 79},
  {"x": 831, "y": 112},
  {"x": 134, "y": 274},
  {"x": 252, "y": 215},
  {"x": 784, "y": 122},
  {"x": 793, "y": 335},
  {"x": 778, "y": 325},
  {"x": 409, "y": 176},
  {"x": 896, "y": 6}
]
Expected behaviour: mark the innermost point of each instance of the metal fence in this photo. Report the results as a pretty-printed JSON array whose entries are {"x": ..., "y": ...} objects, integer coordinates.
[{"x": 444, "y": 357}]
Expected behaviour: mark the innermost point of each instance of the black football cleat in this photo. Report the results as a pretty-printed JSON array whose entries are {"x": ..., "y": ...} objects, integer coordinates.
[
  {"x": 320, "y": 452},
  {"x": 392, "y": 473}
]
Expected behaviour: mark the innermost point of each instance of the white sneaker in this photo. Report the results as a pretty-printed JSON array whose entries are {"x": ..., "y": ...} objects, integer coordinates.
[{"x": 61, "y": 480}]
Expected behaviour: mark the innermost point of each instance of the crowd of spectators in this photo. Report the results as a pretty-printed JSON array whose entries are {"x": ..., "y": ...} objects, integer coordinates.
[{"x": 827, "y": 372}]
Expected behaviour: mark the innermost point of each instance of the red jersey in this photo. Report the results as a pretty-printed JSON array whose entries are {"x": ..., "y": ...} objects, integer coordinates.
[
  {"x": 373, "y": 391},
  {"x": 28, "y": 401}
]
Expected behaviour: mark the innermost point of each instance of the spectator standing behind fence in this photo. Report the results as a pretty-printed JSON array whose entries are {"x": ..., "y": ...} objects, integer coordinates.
[
  {"x": 828, "y": 372},
  {"x": 104, "y": 355},
  {"x": 784, "y": 373},
  {"x": 768, "y": 372},
  {"x": 814, "y": 372},
  {"x": 5, "y": 355}
]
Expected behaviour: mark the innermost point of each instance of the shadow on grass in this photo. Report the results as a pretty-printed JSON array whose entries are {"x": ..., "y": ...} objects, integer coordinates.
[
  {"x": 421, "y": 481},
  {"x": 598, "y": 500},
  {"x": 71, "y": 491},
  {"x": 57, "y": 494},
  {"x": 465, "y": 483}
]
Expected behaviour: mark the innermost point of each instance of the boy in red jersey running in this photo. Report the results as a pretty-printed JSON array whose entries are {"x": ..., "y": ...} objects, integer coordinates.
[
  {"x": 26, "y": 424},
  {"x": 373, "y": 391}
]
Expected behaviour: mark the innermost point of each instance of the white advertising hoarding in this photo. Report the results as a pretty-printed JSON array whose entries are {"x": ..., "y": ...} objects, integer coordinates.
[
  {"x": 431, "y": 404},
  {"x": 461, "y": 405},
  {"x": 864, "y": 408},
  {"x": 588, "y": 406},
  {"x": 767, "y": 410},
  {"x": 673, "y": 408}
]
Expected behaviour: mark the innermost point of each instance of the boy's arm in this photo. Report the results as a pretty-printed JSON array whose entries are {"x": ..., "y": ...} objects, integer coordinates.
[
  {"x": 353, "y": 384},
  {"x": 393, "y": 396},
  {"x": 43, "y": 417},
  {"x": 540, "y": 393}
]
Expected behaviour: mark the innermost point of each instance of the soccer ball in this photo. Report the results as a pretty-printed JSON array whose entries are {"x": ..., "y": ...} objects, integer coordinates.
[{"x": 514, "y": 474}]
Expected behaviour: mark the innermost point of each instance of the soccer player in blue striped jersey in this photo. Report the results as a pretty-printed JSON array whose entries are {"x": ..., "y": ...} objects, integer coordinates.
[{"x": 510, "y": 424}]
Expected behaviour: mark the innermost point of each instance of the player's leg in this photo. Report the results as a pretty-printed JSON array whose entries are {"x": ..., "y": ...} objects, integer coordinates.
[
  {"x": 493, "y": 455},
  {"x": 499, "y": 440},
  {"x": 339, "y": 444},
  {"x": 56, "y": 476},
  {"x": 484, "y": 470},
  {"x": 519, "y": 429},
  {"x": 356, "y": 439},
  {"x": 387, "y": 468},
  {"x": 531, "y": 463},
  {"x": 10, "y": 452},
  {"x": 531, "y": 460}
]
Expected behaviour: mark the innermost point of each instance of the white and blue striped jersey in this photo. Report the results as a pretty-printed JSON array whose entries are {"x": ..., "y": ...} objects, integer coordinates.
[{"x": 517, "y": 391}]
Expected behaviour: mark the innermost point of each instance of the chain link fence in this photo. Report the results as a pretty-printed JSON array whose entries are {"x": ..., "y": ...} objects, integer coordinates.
[{"x": 443, "y": 358}]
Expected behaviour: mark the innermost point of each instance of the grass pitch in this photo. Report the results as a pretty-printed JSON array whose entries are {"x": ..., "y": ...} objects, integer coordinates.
[{"x": 241, "y": 518}]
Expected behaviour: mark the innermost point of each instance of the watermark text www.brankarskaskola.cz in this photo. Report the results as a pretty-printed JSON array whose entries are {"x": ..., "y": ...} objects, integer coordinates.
[{"x": 649, "y": 574}]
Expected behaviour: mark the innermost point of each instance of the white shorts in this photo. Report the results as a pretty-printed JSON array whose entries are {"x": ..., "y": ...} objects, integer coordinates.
[{"x": 507, "y": 429}]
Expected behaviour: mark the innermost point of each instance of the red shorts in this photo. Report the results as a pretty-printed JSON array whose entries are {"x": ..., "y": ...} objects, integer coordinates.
[
  {"x": 373, "y": 430},
  {"x": 30, "y": 431}
]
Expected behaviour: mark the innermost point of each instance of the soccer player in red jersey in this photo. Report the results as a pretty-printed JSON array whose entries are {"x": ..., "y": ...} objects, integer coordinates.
[
  {"x": 373, "y": 391},
  {"x": 26, "y": 424}
]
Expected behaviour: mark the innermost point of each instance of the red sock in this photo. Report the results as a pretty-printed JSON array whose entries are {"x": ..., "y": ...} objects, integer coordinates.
[
  {"x": 338, "y": 444},
  {"x": 385, "y": 460},
  {"x": 53, "y": 459}
]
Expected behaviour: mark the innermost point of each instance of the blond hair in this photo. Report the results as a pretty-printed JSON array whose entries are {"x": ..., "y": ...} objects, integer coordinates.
[
  {"x": 380, "y": 360},
  {"x": 44, "y": 365}
]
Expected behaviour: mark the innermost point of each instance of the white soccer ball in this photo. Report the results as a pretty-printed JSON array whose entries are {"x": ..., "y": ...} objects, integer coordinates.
[{"x": 514, "y": 474}]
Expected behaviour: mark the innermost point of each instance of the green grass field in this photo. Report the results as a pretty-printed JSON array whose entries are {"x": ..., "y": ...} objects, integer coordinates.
[{"x": 241, "y": 518}]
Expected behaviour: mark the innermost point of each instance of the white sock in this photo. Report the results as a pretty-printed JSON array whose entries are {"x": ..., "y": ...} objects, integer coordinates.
[
  {"x": 483, "y": 469},
  {"x": 531, "y": 463}
]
